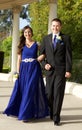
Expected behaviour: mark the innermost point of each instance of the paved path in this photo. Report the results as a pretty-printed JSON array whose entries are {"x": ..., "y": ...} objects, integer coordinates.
[{"x": 71, "y": 115}]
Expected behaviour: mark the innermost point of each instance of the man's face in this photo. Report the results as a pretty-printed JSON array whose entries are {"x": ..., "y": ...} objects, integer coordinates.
[{"x": 55, "y": 27}]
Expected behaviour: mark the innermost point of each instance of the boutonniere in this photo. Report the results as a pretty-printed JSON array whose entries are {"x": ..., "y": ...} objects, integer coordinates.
[{"x": 59, "y": 40}]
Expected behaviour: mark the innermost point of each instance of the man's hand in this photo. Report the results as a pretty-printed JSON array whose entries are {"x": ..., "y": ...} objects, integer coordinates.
[
  {"x": 47, "y": 66},
  {"x": 67, "y": 74}
]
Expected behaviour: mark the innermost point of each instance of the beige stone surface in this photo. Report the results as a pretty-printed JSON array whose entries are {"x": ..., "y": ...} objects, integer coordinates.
[{"x": 71, "y": 114}]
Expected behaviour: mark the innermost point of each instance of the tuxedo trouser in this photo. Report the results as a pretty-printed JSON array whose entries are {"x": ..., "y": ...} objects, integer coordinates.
[{"x": 55, "y": 87}]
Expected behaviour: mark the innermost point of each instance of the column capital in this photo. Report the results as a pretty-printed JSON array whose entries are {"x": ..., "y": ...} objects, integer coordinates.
[
  {"x": 53, "y": 1},
  {"x": 16, "y": 8}
]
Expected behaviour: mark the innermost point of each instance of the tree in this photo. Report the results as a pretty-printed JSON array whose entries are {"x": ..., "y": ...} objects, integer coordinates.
[
  {"x": 38, "y": 12},
  {"x": 70, "y": 12},
  {"x": 6, "y": 45},
  {"x": 6, "y": 18},
  {"x": 6, "y": 48}
]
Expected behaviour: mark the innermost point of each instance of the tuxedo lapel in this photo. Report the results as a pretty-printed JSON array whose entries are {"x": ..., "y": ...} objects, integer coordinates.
[
  {"x": 50, "y": 40},
  {"x": 61, "y": 35}
]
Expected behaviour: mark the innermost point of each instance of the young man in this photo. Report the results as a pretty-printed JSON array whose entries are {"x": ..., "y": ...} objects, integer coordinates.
[{"x": 58, "y": 64}]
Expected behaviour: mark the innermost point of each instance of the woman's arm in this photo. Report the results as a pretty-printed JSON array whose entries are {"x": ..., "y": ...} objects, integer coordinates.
[
  {"x": 41, "y": 57},
  {"x": 18, "y": 62}
]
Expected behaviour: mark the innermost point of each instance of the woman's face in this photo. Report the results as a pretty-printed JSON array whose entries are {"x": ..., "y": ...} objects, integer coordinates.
[{"x": 27, "y": 33}]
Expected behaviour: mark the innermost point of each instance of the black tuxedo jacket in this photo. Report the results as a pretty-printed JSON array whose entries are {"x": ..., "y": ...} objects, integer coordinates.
[{"x": 60, "y": 58}]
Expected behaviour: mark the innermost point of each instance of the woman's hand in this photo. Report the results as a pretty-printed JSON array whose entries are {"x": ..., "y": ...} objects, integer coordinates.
[{"x": 16, "y": 75}]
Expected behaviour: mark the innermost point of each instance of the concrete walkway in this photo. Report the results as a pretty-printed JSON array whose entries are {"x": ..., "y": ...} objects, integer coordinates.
[
  {"x": 71, "y": 87},
  {"x": 71, "y": 115}
]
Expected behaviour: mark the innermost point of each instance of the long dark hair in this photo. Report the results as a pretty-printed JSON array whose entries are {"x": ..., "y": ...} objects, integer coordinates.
[{"x": 22, "y": 39}]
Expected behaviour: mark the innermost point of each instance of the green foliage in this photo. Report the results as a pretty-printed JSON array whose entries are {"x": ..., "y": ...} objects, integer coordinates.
[
  {"x": 6, "y": 70},
  {"x": 6, "y": 45},
  {"x": 39, "y": 12},
  {"x": 24, "y": 13},
  {"x": 70, "y": 12},
  {"x": 6, "y": 18},
  {"x": 76, "y": 71},
  {"x": 6, "y": 48}
]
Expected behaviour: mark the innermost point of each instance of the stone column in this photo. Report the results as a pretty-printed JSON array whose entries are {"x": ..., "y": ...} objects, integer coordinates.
[
  {"x": 52, "y": 13},
  {"x": 15, "y": 37}
]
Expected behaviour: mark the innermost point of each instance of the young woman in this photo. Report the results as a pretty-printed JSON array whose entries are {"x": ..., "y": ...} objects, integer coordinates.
[{"x": 28, "y": 99}]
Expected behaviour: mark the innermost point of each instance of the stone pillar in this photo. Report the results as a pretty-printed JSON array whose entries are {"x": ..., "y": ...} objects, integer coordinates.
[
  {"x": 15, "y": 37},
  {"x": 52, "y": 12}
]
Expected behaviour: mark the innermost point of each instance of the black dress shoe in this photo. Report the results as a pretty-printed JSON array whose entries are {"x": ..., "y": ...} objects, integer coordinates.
[
  {"x": 57, "y": 120},
  {"x": 57, "y": 123},
  {"x": 25, "y": 121}
]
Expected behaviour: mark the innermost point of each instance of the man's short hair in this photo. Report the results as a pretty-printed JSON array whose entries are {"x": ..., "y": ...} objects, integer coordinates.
[{"x": 57, "y": 20}]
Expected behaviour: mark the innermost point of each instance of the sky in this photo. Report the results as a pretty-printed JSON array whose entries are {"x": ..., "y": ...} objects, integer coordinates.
[{"x": 23, "y": 23}]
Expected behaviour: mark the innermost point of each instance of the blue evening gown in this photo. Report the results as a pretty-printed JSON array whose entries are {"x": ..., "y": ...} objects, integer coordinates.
[{"x": 28, "y": 99}]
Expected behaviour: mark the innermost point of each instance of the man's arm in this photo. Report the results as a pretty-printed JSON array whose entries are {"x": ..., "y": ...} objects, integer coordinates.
[{"x": 68, "y": 57}]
